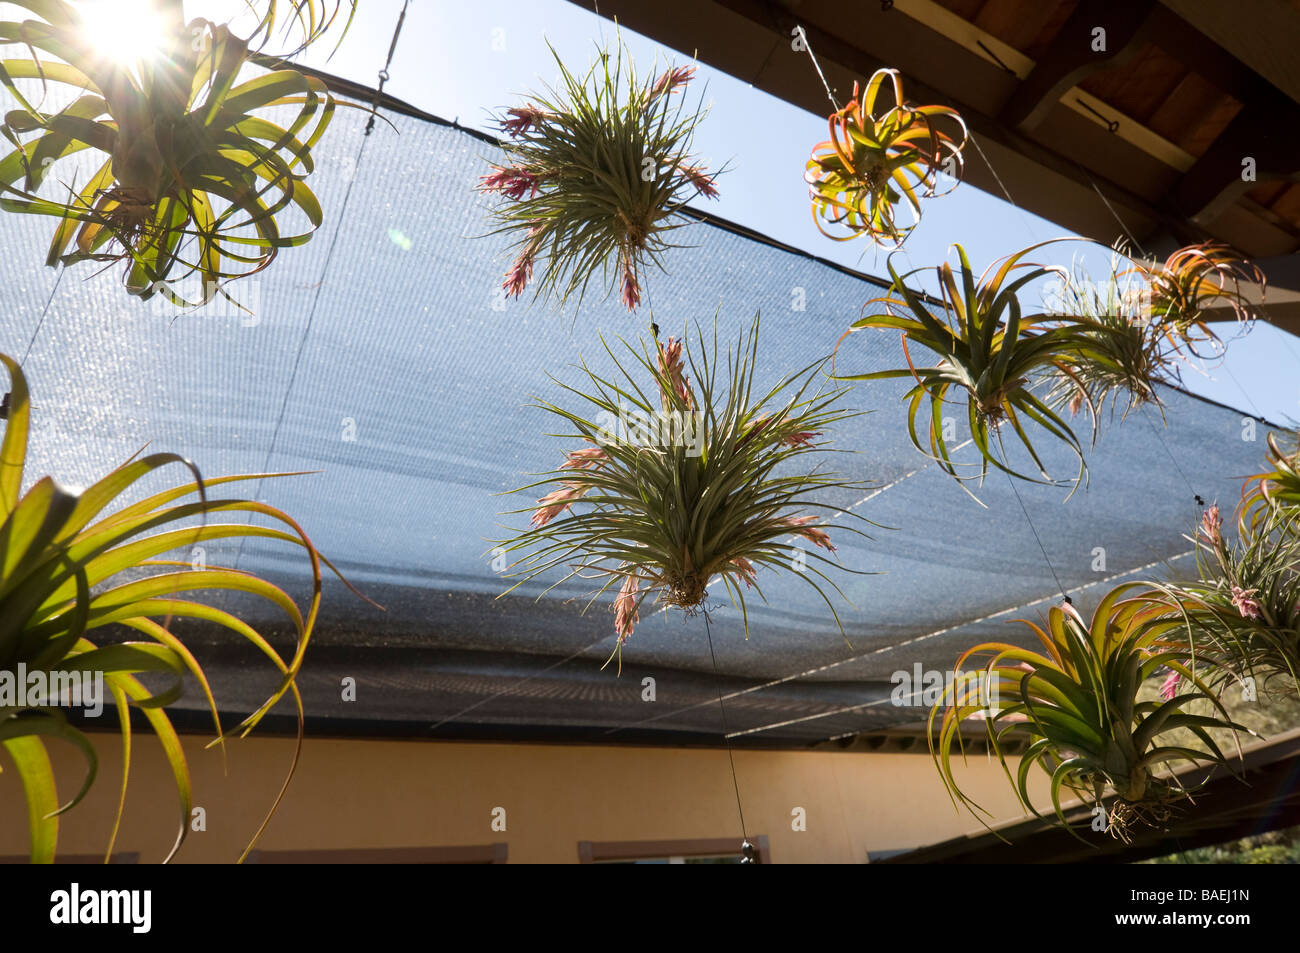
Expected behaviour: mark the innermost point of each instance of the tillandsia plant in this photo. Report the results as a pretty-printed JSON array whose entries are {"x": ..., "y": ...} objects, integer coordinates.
[
  {"x": 1243, "y": 609},
  {"x": 75, "y": 576},
  {"x": 1076, "y": 703},
  {"x": 1122, "y": 353},
  {"x": 595, "y": 177},
  {"x": 878, "y": 156},
  {"x": 988, "y": 352},
  {"x": 192, "y": 181},
  {"x": 1278, "y": 488},
  {"x": 1190, "y": 281},
  {"x": 306, "y": 19},
  {"x": 701, "y": 480}
]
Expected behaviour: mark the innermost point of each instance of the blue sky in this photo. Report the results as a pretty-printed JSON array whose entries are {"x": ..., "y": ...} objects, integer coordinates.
[{"x": 464, "y": 61}]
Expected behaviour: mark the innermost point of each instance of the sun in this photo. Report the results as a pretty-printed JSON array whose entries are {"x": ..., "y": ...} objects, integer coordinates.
[{"x": 129, "y": 32}]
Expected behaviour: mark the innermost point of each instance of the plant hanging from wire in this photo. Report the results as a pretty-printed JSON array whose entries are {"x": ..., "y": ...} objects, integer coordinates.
[
  {"x": 988, "y": 353},
  {"x": 1274, "y": 489},
  {"x": 1077, "y": 705},
  {"x": 595, "y": 177},
  {"x": 702, "y": 481},
  {"x": 308, "y": 20},
  {"x": 1191, "y": 281},
  {"x": 1122, "y": 352},
  {"x": 876, "y": 157},
  {"x": 191, "y": 179},
  {"x": 1243, "y": 607},
  {"x": 71, "y": 571}
]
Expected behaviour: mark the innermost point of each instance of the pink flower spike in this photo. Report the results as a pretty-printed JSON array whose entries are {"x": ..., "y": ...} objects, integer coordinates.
[
  {"x": 556, "y": 502},
  {"x": 583, "y": 458},
  {"x": 520, "y": 273},
  {"x": 511, "y": 182},
  {"x": 701, "y": 179},
  {"x": 1245, "y": 602},
  {"x": 521, "y": 120},
  {"x": 672, "y": 80},
  {"x": 631, "y": 287},
  {"x": 625, "y": 608},
  {"x": 1210, "y": 523},
  {"x": 1169, "y": 687},
  {"x": 744, "y": 569},
  {"x": 801, "y": 439},
  {"x": 814, "y": 535},
  {"x": 671, "y": 366}
]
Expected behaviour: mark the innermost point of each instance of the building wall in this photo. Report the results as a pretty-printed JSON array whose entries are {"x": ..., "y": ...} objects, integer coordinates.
[{"x": 355, "y": 794}]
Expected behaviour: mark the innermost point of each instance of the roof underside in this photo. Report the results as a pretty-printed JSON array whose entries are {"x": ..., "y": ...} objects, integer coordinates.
[
  {"x": 1159, "y": 115},
  {"x": 396, "y": 340}
]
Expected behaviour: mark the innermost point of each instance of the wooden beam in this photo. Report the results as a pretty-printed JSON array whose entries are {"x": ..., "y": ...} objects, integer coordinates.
[
  {"x": 1259, "y": 141},
  {"x": 1071, "y": 57}
]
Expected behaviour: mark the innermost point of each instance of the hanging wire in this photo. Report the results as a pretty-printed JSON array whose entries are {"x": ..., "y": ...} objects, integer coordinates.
[
  {"x": 383, "y": 73},
  {"x": 4, "y": 401},
  {"x": 329, "y": 257},
  {"x": 746, "y": 848},
  {"x": 803, "y": 35}
]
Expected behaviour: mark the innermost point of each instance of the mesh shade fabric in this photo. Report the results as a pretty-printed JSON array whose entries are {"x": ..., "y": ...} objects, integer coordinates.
[{"x": 412, "y": 353}]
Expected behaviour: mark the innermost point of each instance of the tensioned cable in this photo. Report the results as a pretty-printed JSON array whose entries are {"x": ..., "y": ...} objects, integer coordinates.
[
  {"x": 329, "y": 256},
  {"x": 4, "y": 402},
  {"x": 726, "y": 734},
  {"x": 44, "y": 311},
  {"x": 803, "y": 35},
  {"x": 880, "y": 650}
]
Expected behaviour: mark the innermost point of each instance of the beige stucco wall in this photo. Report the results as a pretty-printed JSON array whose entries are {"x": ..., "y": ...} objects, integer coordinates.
[{"x": 414, "y": 794}]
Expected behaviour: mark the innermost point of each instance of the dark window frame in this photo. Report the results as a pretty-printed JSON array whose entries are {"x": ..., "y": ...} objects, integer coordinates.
[
  {"x": 593, "y": 852},
  {"x": 496, "y": 853}
]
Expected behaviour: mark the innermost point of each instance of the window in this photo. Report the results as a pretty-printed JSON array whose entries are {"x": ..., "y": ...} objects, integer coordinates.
[
  {"x": 123, "y": 858},
  {"x": 715, "y": 850},
  {"x": 474, "y": 854}
]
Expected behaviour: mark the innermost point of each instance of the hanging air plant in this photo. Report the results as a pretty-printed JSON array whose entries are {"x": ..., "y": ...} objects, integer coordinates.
[
  {"x": 701, "y": 481},
  {"x": 306, "y": 19},
  {"x": 595, "y": 177},
  {"x": 1122, "y": 352},
  {"x": 1278, "y": 488},
  {"x": 192, "y": 181},
  {"x": 987, "y": 353},
  {"x": 1243, "y": 608},
  {"x": 70, "y": 571},
  {"x": 1189, "y": 282},
  {"x": 876, "y": 157},
  {"x": 1076, "y": 703}
]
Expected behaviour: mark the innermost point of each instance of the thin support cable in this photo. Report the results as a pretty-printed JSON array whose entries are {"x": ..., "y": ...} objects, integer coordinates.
[
  {"x": 880, "y": 650},
  {"x": 44, "y": 311},
  {"x": 726, "y": 734},
  {"x": 383, "y": 73},
  {"x": 1002, "y": 185},
  {"x": 1038, "y": 539},
  {"x": 4, "y": 402},
  {"x": 325, "y": 268},
  {"x": 1200, "y": 501},
  {"x": 803, "y": 35},
  {"x": 1102, "y": 195}
]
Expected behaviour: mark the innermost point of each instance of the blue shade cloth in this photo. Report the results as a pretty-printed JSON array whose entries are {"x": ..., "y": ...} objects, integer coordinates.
[{"x": 411, "y": 384}]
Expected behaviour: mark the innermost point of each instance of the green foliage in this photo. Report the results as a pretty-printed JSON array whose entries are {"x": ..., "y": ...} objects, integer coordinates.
[
  {"x": 704, "y": 486},
  {"x": 987, "y": 350},
  {"x": 195, "y": 182},
  {"x": 596, "y": 175},
  {"x": 1076, "y": 704},
  {"x": 871, "y": 162},
  {"x": 1243, "y": 607},
  {"x": 72, "y": 567}
]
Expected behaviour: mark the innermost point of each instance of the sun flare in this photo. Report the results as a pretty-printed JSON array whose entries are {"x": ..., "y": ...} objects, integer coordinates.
[{"x": 129, "y": 32}]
